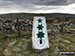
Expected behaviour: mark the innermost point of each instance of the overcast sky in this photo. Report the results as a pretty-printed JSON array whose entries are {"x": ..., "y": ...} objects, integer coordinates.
[{"x": 37, "y": 6}]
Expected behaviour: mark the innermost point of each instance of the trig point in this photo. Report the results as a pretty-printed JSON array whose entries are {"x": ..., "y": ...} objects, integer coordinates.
[{"x": 39, "y": 33}]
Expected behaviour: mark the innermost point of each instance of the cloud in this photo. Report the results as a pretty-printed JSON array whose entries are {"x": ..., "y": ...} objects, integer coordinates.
[
  {"x": 52, "y": 2},
  {"x": 42, "y": 2},
  {"x": 37, "y": 6}
]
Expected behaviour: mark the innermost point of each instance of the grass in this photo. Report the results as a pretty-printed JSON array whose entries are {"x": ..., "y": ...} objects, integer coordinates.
[{"x": 63, "y": 46}]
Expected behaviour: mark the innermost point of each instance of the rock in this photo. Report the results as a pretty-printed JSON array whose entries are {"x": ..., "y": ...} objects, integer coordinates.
[
  {"x": 56, "y": 50},
  {"x": 35, "y": 54},
  {"x": 45, "y": 53},
  {"x": 57, "y": 40},
  {"x": 27, "y": 40},
  {"x": 66, "y": 41},
  {"x": 20, "y": 44},
  {"x": 12, "y": 43},
  {"x": 56, "y": 30},
  {"x": 38, "y": 51},
  {"x": 56, "y": 25},
  {"x": 67, "y": 48},
  {"x": 23, "y": 54},
  {"x": 50, "y": 44},
  {"x": 23, "y": 39},
  {"x": 26, "y": 52},
  {"x": 62, "y": 44},
  {"x": 18, "y": 54},
  {"x": 7, "y": 52},
  {"x": 16, "y": 49},
  {"x": 72, "y": 47},
  {"x": 25, "y": 45},
  {"x": 67, "y": 30}
]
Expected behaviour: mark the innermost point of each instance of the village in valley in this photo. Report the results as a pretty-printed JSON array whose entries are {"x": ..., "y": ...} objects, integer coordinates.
[{"x": 16, "y": 35}]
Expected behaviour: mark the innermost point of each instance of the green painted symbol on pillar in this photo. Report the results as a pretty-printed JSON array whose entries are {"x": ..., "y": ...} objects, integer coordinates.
[
  {"x": 40, "y": 35},
  {"x": 40, "y": 27},
  {"x": 39, "y": 20}
]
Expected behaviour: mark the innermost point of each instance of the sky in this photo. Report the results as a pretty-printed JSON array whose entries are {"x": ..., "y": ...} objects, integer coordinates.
[{"x": 37, "y": 6}]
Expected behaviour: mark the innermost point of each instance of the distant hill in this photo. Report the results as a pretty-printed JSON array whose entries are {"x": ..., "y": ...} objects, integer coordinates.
[{"x": 31, "y": 15}]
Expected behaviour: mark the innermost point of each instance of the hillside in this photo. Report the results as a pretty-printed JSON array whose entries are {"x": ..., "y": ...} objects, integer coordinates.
[
  {"x": 31, "y": 15},
  {"x": 59, "y": 39}
]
